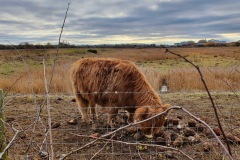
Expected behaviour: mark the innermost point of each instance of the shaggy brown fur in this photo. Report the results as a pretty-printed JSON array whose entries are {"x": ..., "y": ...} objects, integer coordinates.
[{"x": 116, "y": 83}]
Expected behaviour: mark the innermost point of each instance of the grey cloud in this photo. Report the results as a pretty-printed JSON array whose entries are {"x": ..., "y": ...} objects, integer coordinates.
[{"x": 102, "y": 18}]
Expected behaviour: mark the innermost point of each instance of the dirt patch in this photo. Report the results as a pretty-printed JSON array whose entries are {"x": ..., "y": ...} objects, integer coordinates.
[{"x": 180, "y": 131}]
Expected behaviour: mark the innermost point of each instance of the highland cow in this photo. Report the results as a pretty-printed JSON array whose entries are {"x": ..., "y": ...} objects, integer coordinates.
[{"x": 115, "y": 84}]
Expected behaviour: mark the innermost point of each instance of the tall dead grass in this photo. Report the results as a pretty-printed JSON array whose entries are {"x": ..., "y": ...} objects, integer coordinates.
[
  {"x": 221, "y": 79},
  {"x": 60, "y": 84},
  {"x": 182, "y": 79},
  {"x": 154, "y": 77}
]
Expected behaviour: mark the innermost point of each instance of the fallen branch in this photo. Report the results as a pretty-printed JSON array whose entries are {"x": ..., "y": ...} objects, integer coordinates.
[
  {"x": 210, "y": 97},
  {"x": 135, "y": 143},
  {"x": 132, "y": 124}
]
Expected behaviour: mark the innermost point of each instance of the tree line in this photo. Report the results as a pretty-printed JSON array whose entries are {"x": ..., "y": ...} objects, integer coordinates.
[{"x": 27, "y": 45}]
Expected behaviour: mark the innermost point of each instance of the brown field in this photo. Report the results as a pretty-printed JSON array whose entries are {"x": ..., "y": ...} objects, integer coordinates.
[
  {"x": 21, "y": 75},
  {"x": 220, "y": 68},
  {"x": 20, "y": 111}
]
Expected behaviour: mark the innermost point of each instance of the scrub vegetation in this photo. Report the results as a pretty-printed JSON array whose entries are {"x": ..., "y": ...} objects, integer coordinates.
[{"x": 220, "y": 67}]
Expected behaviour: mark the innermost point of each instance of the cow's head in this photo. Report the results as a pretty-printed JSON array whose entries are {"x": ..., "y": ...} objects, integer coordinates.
[{"x": 153, "y": 126}]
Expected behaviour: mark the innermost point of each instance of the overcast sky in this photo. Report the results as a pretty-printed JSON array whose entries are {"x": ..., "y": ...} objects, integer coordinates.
[{"x": 119, "y": 21}]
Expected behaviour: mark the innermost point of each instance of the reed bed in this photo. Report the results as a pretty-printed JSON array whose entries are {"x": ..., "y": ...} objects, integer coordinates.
[{"x": 181, "y": 79}]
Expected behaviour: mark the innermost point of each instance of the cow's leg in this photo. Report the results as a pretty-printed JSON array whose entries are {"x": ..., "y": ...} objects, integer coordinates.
[
  {"x": 112, "y": 113},
  {"x": 130, "y": 117},
  {"x": 94, "y": 111},
  {"x": 97, "y": 111},
  {"x": 130, "y": 113},
  {"x": 83, "y": 107}
]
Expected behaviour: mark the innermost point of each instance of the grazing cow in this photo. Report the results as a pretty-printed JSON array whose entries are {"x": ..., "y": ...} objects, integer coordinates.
[{"x": 116, "y": 83}]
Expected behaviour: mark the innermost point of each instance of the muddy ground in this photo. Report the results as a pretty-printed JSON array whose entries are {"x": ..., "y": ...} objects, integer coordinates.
[{"x": 181, "y": 132}]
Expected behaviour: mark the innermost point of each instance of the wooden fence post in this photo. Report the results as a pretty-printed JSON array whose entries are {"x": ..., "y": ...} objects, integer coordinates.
[{"x": 2, "y": 136}]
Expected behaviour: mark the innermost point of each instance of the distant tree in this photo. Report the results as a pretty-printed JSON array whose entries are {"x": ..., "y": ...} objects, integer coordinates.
[
  {"x": 202, "y": 41},
  {"x": 26, "y": 45},
  {"x": 2, "y": 46},
  {"x": 191, "y": 43},
  {"x": 39, "y": 46},
  {"x": 210, "y": 44},
  {"x": 153, "y": 45},
  {"x": 64, "y": 44},
  {"x": 238, "y": 43},
  {"x": 49, "y": 45}
]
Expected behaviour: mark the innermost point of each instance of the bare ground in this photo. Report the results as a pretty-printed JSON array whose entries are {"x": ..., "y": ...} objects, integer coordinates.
[{"x": 21, "y": 112}]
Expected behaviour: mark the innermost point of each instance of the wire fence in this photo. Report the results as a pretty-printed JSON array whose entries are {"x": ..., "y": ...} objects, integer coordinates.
[
  {"x": 29, "y": 134},
  {"x": 28, "y": 114}
]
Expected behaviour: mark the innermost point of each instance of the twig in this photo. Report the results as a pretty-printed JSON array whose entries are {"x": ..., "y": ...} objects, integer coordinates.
[
  {"x": 135, "y": 144},
  {"x": 108, "y": 140},
  {"x": 28, "y": 73},
  {"x": 139, "y": 153},
  {"x": 44, "y": 140},
  {"x": 33, "y": 94},
  {"x": 59, "y": 39},
  {"x": 226, "y": 84},
  {"x": 231, "y": 110},
  {"x": 33, "y": 125},
  {"x": 237, "y": 71},
  {"x": 26, "y": 65},
  {"x": 10, "y": 143},
  {"x": 210, "y": 97},
  {"x": 47, "y": 86},
  {"x": 214, "y": 134},
  {"x": 12, "y": 86},
  {"x": 48, "y": 111},
  {"x": 110, "y": 133},
  {"x": 136, "y": 123}
]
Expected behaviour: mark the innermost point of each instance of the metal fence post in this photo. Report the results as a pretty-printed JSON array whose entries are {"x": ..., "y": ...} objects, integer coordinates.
[{"x": 2, "y": 136}]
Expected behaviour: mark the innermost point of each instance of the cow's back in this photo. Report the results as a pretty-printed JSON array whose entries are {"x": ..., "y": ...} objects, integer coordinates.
[{"x": 105, "y": 81}]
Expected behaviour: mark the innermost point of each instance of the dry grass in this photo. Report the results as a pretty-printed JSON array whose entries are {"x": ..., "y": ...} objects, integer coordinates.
[
  {"x": 154, "y": 77},
  {"x": 223, "y": 79},
  {"x": 218, "y": 65},
  {"x": 182, "y": 79},
  {"x": 35, "y": 81}
]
